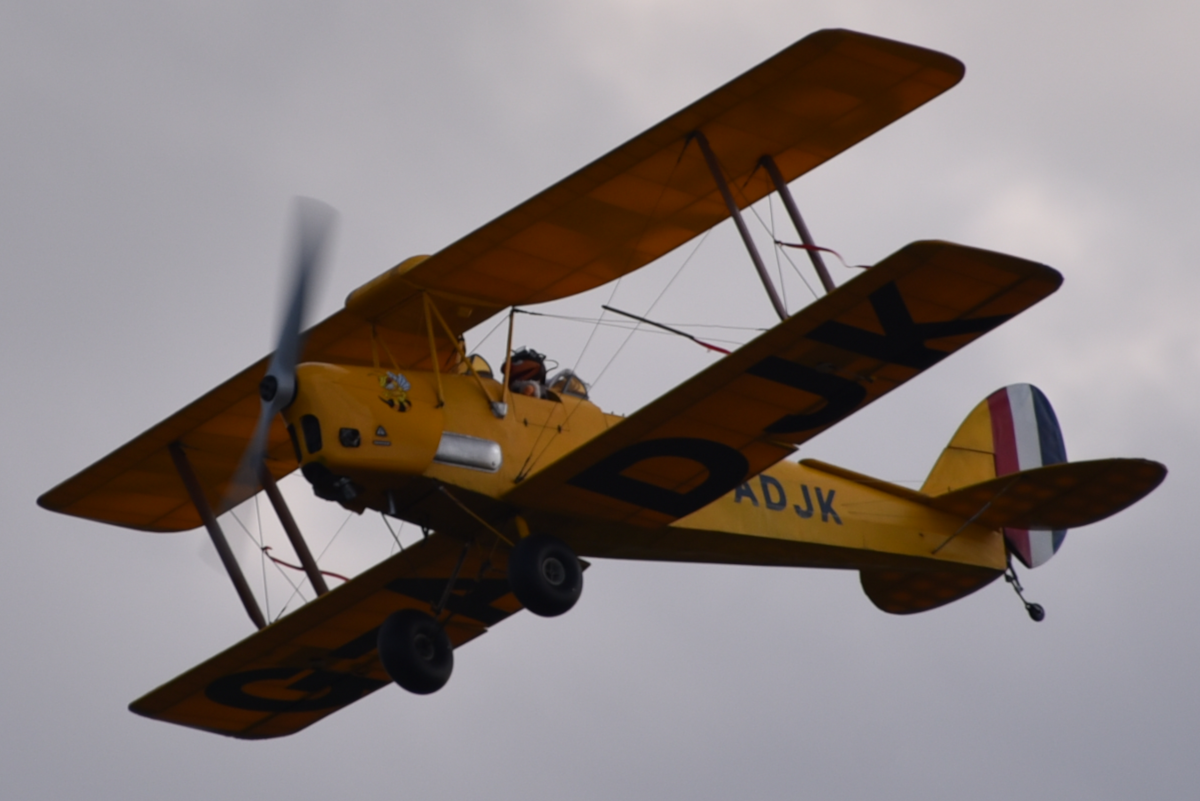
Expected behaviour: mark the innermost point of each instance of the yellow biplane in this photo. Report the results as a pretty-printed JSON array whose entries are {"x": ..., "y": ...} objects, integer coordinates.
[{"x": 516, "y": 475}]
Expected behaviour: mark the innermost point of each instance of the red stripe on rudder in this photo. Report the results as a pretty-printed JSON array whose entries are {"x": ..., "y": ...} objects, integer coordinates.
[
  {"x": 1004, "y": 448},
  {"x": 1004, "y": 436},
  {"x": 1018, "y": 541}
]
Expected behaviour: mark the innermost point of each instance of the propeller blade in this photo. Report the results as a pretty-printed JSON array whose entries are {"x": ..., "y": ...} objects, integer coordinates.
[{"x": 277, "y": 389}]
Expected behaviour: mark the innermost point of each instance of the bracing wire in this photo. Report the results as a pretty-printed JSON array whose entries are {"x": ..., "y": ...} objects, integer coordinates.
[
  {"x": 531, "y": 460},
  {"x": 626, "y": 325},
  {"x": 395, "y": 536},
  {"x": 638, "y": 327},
  {"x": 262, "y": 542},
  {"x": 771, "y": 232},
  {"x": 335, "y": 535},
  {"x": 774, "y": 238},
  {"x": 527, "y": 465},
  {"x": 295, "y": 589},
  {"x": 488, "y": 336}
]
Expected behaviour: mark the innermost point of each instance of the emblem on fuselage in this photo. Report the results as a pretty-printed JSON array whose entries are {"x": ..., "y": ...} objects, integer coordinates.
[{"x": 395, "y": 391}]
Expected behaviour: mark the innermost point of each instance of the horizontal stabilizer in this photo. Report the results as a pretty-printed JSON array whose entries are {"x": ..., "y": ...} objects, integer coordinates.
[
  {"x": 1056, "y": 497},
  {"x": 905, "y": 592}
]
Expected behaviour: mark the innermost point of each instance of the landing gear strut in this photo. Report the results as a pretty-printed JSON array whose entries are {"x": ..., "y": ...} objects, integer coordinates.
[
  {"x": 1036, "y": 613},
  {"x": 415, "y": 651},
  {"x": 545, "y": 575}
]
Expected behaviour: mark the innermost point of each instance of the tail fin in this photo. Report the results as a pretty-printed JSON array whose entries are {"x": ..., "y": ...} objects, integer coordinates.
[
  {"x": 1006, "y": 467},
  {"x": 1013, "y": 429}
]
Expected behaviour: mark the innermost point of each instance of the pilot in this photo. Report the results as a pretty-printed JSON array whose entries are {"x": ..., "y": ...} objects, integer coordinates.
[{"x": 527, "y": 375}]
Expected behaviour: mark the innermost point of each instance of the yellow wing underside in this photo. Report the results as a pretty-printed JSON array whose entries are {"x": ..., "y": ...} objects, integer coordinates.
[
  {"x": 323, "y": 656},
  {"x": 803, "y": 106}
]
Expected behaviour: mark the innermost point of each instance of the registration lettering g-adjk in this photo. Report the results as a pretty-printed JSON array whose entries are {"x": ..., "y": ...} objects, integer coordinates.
[{"x": 516, "y": 475}]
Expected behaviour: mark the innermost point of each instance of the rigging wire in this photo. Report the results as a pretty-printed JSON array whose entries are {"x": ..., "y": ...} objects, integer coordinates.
[
  {"x": 487, "y": 336},
  {"x": 335, "y": 535},
  {"x": 778, "y": 265},
  {"x": 624, "y": 325},
  {"x": 527, "y": 465},
  {"x": 638, "y": 327},
  {"x": 531, "y": 460},
  {"x": 662, "y": 191},
  {"x": 262, "y": 539},
  {"x": 779, "y": 245},
  {"x": 393, "y": 533},
  {"x": 670, "y": 330},
  {"x": 615, "y": 323},
  {"x": 295, "y": 589},
  {"x": 771, "y": 232}
]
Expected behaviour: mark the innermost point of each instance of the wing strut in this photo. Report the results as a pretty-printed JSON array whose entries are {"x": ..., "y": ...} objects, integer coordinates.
[
  {"x": 715, "y": 167},
  {"x": 768, "y": 163},
  {"x": 293, "y": 532},
  {"x": 218, "y": 536}
]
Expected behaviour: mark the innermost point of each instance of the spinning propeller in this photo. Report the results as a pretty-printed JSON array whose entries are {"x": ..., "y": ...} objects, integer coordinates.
[{"x": 278, "y": 387}]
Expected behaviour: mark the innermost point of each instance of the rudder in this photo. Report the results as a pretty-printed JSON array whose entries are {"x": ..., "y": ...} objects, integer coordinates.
[{"x": 1011, "y": 430}]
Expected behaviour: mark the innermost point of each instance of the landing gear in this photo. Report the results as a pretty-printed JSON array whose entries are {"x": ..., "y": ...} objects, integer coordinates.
[
  {"x": 1036, "y": 612},
  {"x": 545, "y": 575},
  {"x": 415, "y": 651}
]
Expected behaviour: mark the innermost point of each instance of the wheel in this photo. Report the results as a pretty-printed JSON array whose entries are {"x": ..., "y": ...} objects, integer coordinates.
[
  {"x": 415, "y": 651},
  {"x": 1036, "y": 612},
  {"x": 545, "y": 575}
]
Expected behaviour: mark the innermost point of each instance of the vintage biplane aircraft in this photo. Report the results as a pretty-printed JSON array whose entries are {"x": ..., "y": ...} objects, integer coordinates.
[{"x": 382, "y": 408}]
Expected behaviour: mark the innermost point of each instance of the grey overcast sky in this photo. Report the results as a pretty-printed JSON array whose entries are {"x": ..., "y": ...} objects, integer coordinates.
[{"x": 148, "y": 155}]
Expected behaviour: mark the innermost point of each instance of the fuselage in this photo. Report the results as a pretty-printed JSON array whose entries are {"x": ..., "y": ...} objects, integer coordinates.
[{"x": 380, "y": 439}]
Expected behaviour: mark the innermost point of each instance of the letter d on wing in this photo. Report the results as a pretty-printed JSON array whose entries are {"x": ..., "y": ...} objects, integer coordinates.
[{"x": 727, "y": 468}]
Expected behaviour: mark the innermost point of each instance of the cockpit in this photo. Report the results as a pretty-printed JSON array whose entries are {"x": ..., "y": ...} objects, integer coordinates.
[{"x": 527, "y": 374}]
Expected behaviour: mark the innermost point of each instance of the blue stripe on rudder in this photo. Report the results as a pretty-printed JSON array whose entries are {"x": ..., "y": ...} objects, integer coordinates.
[
  {"x": 1054, "y": 450},
  {"x": 1059, "y": 536}
]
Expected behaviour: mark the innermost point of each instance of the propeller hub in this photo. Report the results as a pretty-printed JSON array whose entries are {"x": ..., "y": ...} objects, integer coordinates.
[{"x": 267, "y": 388}]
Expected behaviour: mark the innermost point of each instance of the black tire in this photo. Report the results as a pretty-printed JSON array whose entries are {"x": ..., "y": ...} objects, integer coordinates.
[
  {"x": 545, "y": 575},
  {"x": 415, "y": 651}
]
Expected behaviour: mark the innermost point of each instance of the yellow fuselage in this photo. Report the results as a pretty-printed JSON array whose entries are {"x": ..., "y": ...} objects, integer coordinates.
[{"x": 396, "y": 450}]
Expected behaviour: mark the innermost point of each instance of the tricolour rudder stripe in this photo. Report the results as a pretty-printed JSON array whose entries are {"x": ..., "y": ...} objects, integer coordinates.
[{"x": 1025, "y": 436}]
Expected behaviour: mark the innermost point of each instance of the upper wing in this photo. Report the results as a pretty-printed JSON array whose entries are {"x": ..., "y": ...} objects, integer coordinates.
[
  {"x": 749, "y": 410},
  {"x": 323, "y": 656},
  {"x": 805, "y": 105}
]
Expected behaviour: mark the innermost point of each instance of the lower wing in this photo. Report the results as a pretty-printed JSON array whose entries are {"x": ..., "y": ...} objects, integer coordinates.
[{"x": 323, "y": 656}]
